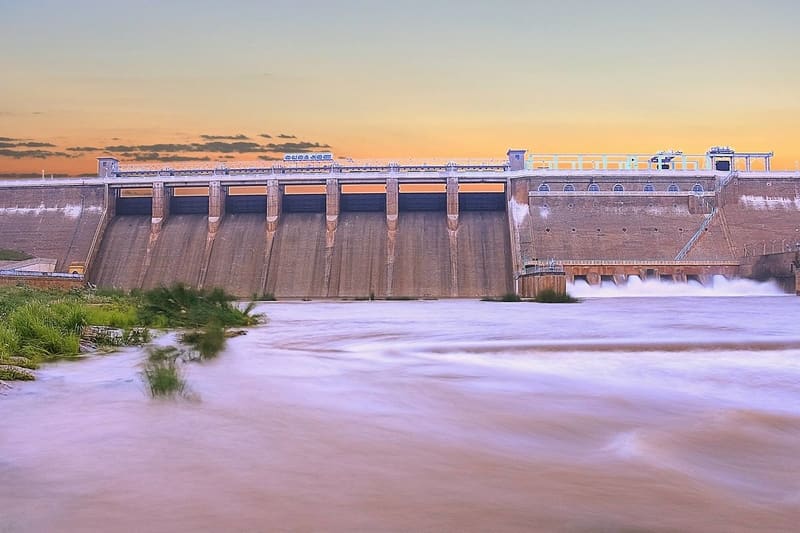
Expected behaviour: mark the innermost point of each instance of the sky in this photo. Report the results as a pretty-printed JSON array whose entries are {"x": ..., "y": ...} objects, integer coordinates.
[{"x": 173, "y": 80}]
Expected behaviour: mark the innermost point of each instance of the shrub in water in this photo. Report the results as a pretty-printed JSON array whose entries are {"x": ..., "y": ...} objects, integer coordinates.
[
  {"x": 162, "y": 373},
  {"x": 549, "y": 296}
]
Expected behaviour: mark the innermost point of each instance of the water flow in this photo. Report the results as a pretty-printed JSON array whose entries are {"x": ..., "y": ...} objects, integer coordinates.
[
  {"x": 637, "y": 288},
  {"x": 627, "y": 414}
]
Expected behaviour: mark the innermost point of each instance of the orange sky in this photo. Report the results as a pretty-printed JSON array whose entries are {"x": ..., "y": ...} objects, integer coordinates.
[{"x": 411, "y": 79}]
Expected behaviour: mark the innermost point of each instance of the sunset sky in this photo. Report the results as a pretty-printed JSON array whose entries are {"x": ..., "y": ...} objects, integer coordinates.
[{"x": 172, "y": 80}]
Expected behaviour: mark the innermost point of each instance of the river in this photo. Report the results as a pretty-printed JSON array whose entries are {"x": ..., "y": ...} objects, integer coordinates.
[{"x": 614, "y": 414}]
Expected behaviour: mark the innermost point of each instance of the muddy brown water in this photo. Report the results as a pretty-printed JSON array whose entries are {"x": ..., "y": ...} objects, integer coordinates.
[{"x": 637, "y": 414}]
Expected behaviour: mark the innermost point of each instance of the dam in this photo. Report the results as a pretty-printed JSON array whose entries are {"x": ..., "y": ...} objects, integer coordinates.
[{"x": 326, "y": 229}]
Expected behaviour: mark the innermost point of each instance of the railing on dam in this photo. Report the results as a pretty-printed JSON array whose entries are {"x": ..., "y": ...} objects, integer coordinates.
[
  {"x": 346, "y": 167},
  {"x": 628, "y": 262}
]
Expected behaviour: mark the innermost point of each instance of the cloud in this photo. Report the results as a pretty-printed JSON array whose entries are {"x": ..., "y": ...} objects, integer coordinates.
[
  {"x": 301, "y": 146},
  {"x": 27, "y": 144},
  {"x": 286, "y": 136},
  {"x": 9, "y": 139},
  {"x": 270, "y": 158},
  {"x": 237, "y": 147},
  {"x": 83, "y": 149},
  {"x": 34, "y": 154},
  {"x": 238, "y": 137},
  {"x": 265, "y": 135},
  {"x": 34, "y": 144},
  {"x": 147, "y": 157}
]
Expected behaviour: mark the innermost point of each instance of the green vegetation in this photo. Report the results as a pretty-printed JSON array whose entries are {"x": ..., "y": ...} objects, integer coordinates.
[
  {"x": 208, "y": 342},
  {"x": 182, "y": 307},
  {"x": 549, "y": 296},
  {"x": 13, "y": 255},
  {"x": 266, "y": 297},
  {"x": 163, "y": 374},
  {"x": 38, "y": 325},
  {"x": 507, "y": 297}
]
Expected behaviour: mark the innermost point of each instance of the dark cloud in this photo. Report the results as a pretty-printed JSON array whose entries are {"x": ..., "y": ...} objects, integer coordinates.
[
  {"x": 239, "y": 137},
  {"x": 286, "y": 136},
  {"x": 146, "y": 157},
  {"x": 301, "y": 146},
  {"x": 34, "y": 144},
  {"x": 83, "y": 149},
  {"x": 238, "y": 147},
  {"x": 233, "y": 147},
  {"x": 27, "y": 144},
  {"x": 270, "y": 158},
  {"x": 265, "y": 135},
  {"x": 9, "y": 139},
  {"x": 35, "y": 154}
]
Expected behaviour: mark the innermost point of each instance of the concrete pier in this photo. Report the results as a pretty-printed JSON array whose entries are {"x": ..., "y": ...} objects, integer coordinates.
[
  {"x": 452, "y": 204},
  {"x": 160, "y": 206},
  {"x": 274, "y": 200},
  {"x": 216, "y": 205},
  {"x": 332, "y": 203},
  {"x": 392, "y": 203}
]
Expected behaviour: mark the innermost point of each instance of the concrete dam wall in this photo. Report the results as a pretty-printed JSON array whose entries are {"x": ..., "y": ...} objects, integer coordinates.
[
  {"x": 303, "y": 256},
  {"x": 408, "y": 236},
  {"x": 51, "y": 222}
]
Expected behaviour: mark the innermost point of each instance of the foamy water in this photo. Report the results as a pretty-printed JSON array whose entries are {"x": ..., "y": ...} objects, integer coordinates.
[
  {"x": 647, "y": 414},
  {"x": 635, "y": 287}
]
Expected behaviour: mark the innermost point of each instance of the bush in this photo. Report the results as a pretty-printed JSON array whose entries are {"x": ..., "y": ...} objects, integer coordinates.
[
  {"x": 207, "y": 343},
  {"x": 549, "y": 296},
  {"x": 507, "y": 297},
  {"x": 183, "y": 307},
  {"x": 162, "y": 373}
]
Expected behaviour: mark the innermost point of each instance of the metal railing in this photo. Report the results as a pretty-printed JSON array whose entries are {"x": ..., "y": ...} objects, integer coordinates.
[{"x": 703, "y": 225}]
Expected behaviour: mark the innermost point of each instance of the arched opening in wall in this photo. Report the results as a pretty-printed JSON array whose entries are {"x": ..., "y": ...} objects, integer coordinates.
[
  {"x": 606, "y": 279},
  {"x": 649, "y": 187},
  {"x": 593, "y": 187},
  {"x": 580, "y": 278},
  {"x": 673, "y": 187},
  {"x": 544, "y": 187},
  {"x": 697, "y": 188},
  {"x": 618, "y": 187},
  {"x": 569, "y": 187},
  {"x": 693, "y": 278}
]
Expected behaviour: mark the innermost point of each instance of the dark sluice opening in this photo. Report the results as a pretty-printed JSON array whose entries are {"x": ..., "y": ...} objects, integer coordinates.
[
  {"x": 605, "y": 279},
  {"x": 482, "y": 201},
  {"x": 423, "y": 202},
  {"x": 650, "y": 273},
  {"x": 134, "y": 206},
  {"x": 188, "y": 205},
  {"x": 246, "y": 204},
  {"x": 363, "y": 203},
  {"x": 303, "y": 203},
  {"x": 724, "y": 166}
]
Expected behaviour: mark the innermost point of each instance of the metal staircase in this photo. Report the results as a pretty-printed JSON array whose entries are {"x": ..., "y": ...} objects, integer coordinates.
[{"x": 697, "y": 234}]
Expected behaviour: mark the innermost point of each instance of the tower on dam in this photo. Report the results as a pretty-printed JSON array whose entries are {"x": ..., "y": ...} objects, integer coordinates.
[{"x": 314, "y": 227}]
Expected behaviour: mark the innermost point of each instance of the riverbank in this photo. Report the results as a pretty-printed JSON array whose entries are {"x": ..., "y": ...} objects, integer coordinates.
[{"x": 38, "y": 326}]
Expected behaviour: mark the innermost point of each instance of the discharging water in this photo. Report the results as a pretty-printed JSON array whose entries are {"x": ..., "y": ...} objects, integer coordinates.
[{"x": 637, "y": 414}]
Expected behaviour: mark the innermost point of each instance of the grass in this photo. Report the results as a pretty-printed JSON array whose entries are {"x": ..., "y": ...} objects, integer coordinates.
[
  {"x": 549, "y": 296},
  {"x": 182, "y": 307},
  {"x": 207, "y": 342},
  {"x": 162, "y": 373},
  {"x": 13, "y": 255},
  {"x": 41, "y": 325},
  {"x": 507, "y": 297}
]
